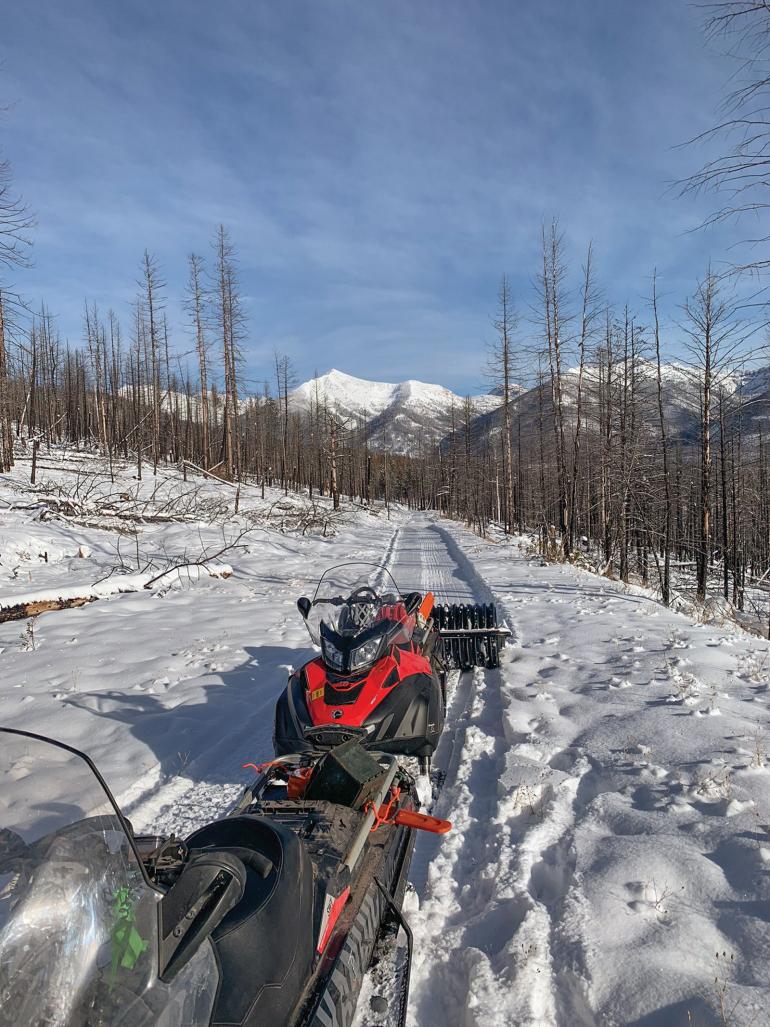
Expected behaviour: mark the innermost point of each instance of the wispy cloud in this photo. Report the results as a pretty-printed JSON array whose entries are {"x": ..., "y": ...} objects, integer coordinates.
[{"x": 379, "y": 165}]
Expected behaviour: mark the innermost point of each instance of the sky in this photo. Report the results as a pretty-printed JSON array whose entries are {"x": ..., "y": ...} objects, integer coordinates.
[{"x": 379, "y": 165}]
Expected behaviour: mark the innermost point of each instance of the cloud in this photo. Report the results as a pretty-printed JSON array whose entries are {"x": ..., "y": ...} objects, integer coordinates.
[{"x": 379, "y": 166}]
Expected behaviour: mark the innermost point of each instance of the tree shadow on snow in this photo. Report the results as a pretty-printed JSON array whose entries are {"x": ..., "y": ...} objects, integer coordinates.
[{"x": 206, "y": 739}]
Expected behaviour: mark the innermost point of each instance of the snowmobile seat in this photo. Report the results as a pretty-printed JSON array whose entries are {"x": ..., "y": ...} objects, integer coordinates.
[{"x": 265, "y": 945}]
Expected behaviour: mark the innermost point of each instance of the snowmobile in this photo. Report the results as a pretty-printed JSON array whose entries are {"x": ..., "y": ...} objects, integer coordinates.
[
  {"x": 269, "y": 915},
  {"x": 382, "y": 670}
]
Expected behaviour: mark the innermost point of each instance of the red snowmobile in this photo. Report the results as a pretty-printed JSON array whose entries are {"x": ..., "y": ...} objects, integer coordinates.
[
  {"x": 381, "y": 673},
  {"x": 270, "y": 914}
]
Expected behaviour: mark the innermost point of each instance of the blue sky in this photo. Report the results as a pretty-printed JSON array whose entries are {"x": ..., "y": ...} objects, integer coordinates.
[{"x": 379, "y": 164}]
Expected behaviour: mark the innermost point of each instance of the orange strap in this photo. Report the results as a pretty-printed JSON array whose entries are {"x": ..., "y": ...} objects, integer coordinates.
[
  {"x": 426, "y": 607},
  {"x": 259, "y": 767},
  {"x": 383, "y": 814}
]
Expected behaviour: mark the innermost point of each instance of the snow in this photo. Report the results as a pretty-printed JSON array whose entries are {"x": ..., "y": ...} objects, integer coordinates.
[
  {"x": 403, "y": 411},
  {"x": 610, "y": 841},
  {"x": 608, "y": 785},
  {"x": 358, "y": 394}
]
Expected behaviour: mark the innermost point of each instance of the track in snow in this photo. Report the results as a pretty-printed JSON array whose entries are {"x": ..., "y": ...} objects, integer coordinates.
[
  {"x": 421, "y": 560},
  {"x": 489, "y": 945}
]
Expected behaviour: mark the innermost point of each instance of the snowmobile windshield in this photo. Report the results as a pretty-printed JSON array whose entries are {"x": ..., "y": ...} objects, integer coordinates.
[
  {"x": 357, "y": 611},
  {"x": 78, "y": 919}
]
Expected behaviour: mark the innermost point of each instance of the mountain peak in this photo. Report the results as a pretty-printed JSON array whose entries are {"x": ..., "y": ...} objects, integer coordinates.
[{"x": 399, "y": 414}]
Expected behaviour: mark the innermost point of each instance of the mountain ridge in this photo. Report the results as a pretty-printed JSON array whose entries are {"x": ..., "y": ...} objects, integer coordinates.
[
  {"x": 404, "y": 417},
  {"x": 397, "y": 416}
]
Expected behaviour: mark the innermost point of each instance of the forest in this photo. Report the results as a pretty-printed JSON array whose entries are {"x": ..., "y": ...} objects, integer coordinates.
[{"x": 587, "y": 452}]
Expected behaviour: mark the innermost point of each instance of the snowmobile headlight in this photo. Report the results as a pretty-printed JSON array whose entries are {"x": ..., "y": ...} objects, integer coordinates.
[
  {"x": 331, "y": 654},
  {"x": 365, "y": 654}
]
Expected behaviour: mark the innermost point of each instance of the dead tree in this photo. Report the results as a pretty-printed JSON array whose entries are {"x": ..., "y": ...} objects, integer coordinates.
[
  {"x": 152, "y": 285},
  {"x": 665, "y": 584},
  {"x": 711, "y": 329},
  {"x": 230, "y": 323},
  {"x": 554, "y": 323},
  {"x": 500, "y": 372},
  {"x": 195, "y": 305},
  {"x": 284, "y": 378}
]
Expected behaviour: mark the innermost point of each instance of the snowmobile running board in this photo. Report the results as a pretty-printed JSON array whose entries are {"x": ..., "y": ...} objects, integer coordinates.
[{"x": 471, "y": 635}]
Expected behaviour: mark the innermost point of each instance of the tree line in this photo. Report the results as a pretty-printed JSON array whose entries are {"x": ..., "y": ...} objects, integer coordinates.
[{"x": 582, "y": 449}]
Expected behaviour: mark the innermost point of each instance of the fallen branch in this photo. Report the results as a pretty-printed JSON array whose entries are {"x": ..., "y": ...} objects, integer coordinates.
[{"x": 209, "y": 474}]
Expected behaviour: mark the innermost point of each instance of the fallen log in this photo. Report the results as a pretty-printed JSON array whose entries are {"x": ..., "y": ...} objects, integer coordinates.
[
  {"x": 209, "y": 474},
  {"x": 24, "y": 611},
  {"x": 32, "y": 604}
]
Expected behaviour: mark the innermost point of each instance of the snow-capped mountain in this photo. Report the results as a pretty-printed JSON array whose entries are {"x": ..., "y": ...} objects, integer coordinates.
[
  {"x": 398, "y": 417},
  {"x": 747, "y": 396}
]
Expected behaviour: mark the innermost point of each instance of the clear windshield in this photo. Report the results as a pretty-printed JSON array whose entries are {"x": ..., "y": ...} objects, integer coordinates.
[
  {"x": 78, "y": 921},
  {"x": 351, "y": 598}
]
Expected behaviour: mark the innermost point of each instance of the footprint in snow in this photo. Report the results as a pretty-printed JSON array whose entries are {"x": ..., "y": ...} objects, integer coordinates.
[
  {"x": 649, "y": 899},
  {"x": 620, "y": 683}
]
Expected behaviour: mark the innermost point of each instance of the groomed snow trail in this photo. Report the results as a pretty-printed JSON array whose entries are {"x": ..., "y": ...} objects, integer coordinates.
[
  {"x": 608, "y": 790},
  {"x": 491, "y": 893}
]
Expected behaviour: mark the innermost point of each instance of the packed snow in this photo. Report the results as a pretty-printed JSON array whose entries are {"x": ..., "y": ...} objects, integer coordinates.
[{"x": 610, "y": 858}]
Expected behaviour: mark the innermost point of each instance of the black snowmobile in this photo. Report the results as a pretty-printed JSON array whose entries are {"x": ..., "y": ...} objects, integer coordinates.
[
  {"x": 268, "y": 916},
  {"x": 381, "y": 673}
]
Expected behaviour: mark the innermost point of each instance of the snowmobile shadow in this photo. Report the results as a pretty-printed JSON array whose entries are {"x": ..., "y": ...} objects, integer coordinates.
[{"x": 205, "y": 739}]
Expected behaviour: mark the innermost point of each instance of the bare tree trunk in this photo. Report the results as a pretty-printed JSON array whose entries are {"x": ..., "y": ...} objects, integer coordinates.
[
  {"x": 195, "y": 306},
  {"x": 6, "y": 434},
  {"x": 665, "y": 585}
]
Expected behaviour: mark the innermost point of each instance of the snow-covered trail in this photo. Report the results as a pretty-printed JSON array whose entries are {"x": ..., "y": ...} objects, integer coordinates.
[
  {"x": 608, "y": 788},
  {"x": 421, "y": 560},
  {"x": 609, "y": 785}
]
